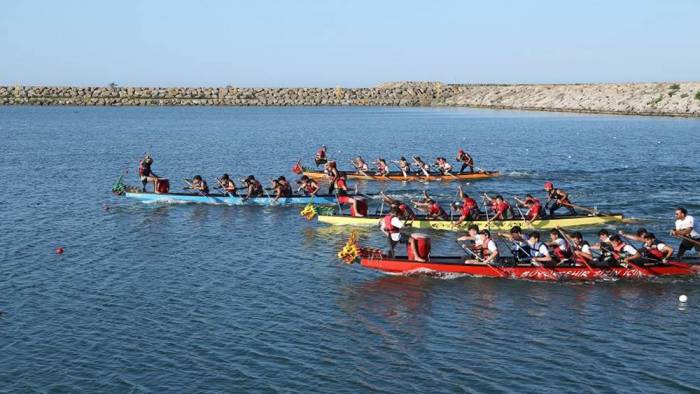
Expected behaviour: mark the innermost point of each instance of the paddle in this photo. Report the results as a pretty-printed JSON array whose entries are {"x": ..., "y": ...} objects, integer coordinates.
[
  {"x": 593, "y": 211},
  {"x": 189, "y": 186},
  {"x": 683, "y": 237},
  {"x": 495, "y": 269},
  {"x": 405, "y": 174},
  {"x": 641, "y": 270},
  {"x": 360, "y": 170},
  {"x": 525, "y": 221},
  {"x": 218, "y": 180}
]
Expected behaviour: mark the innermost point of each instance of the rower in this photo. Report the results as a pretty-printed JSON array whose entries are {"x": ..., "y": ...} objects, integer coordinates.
[
  {"x": 559, "y": 199},
  {"x": 382, "y": 167},
  {"x": 623, "y": 253},
  {"x": 443, "y": 166},
  {"x": 199, "y": 184},
  {"x": 474, "y": 236},
  {"x": 404, "y": 166},
  {"x": 341, "y": 184},
  {"x": 423, "y": 166},
  {"x": 404, "y": 211},
  {"x": 466, "y": 160},
  {"x": 501, "y": 209},
  {"x": 561, "y": 250},
  {"x": 286, "y": 187},
  {"x": 656, "y": 250},
  {"x": 539, "y": 254},
  {"x": 469, "y": 209},
  {"x": 489, "y": 249},
  {"x": 227, "y": 184},
  {"x": 605, "y": 247},
  {"x": 332, "y": 172},
  {"x": 534, "y": 208},
  {"x": 358, "y": 204},
  {"x": 320, "y": 157},
  {"x": 308, "y": 185},
  {"x": 279, "y": 190},
  {"x": 145, "y": 173},
  {"x": 391, "y": 227},
  {"x": 520, "y": 248},
  {"x": 581, "y": 248},
  {"x": 360, "y": 165},
  {"x": 253, "y": 186},
  {"x": 685, "y": 230},
  {"x": 432, "y": 208}
]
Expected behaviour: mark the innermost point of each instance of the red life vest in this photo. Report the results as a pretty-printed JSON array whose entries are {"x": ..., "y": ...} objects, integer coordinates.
[
  {"x": 654, "y": 252},
  {"x": 321, "y": 154},
  {"x": 562, "y": 254},
  {"x": 388, "y": 226},
  {"x": 310, "y": 187},
  {"x": 618, "y": 252},
  {"x": 340, "y": 184},
  {"x": 485, "y": 253}
]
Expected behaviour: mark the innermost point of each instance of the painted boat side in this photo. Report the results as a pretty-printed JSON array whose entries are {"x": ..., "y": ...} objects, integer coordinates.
[{"x": 228, "y": 200}]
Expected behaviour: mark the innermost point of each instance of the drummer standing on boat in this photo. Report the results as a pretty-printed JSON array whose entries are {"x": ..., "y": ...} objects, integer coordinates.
[
  {"x": 466, "y": 160},
  {"x": 145, "y": 173},
  {"x": 320, "y": 157},
  {"x": 685, "y": 230}
]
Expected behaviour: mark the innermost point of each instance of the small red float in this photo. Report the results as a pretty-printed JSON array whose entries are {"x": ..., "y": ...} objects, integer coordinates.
[{"x": 59, "y": 250}]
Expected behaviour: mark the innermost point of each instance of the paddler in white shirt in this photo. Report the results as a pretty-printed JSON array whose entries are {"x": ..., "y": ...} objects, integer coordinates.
[{"x": 686, "y": 231}]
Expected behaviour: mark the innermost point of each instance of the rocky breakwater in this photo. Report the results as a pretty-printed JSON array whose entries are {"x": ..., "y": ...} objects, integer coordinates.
[
  {"x": 401, "y": 94},
  {"x": 669, "y": 99}
]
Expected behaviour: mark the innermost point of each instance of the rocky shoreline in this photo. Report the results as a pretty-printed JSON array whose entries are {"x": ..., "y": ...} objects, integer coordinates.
[{"x": 660, "y": 99}]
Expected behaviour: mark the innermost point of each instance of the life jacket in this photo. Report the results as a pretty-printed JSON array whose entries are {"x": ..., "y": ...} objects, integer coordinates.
[
  {"x": 340, "y": 184},
  {"x": 485, "y": 253},
  {"x": 470, "y": 203},
  {"x": 388, "y": 226},
  {"x": 229, "y": 186},
  {"x": 535, "y": 250},
  {"x": 204, "y": 187},
  {"x": 653, "y": 251},
  {"x": 562, "y": 254},
  {"x": 257, "y": 189},
  {"x": 381, "y": 167},
  {"x": 310, "y": 187},
  {"x": 579, "y": 259},
  {"x": 618, "y": 252}
]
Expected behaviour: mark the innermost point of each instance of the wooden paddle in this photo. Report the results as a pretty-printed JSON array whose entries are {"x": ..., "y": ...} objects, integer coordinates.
[{"x": 683, "y": 237}]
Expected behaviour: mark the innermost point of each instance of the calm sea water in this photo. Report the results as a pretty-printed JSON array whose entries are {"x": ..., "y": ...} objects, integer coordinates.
[{"x": 191, "y": 298}]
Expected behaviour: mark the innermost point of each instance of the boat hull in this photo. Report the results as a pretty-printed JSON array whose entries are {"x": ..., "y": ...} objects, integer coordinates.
[
  {"x": 456, "y": 265},
  {"x": 447, "y": 225},
  {"x": 397, "y": 176},
  {"x": 222, "y": 199}
]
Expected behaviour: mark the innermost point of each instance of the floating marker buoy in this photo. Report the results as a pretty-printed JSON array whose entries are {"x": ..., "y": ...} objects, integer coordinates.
[
  {"x": 59, "y": 250},
  {"x": 682, "y": 298}
]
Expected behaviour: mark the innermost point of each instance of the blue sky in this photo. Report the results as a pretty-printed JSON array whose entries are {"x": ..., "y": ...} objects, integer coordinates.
[{"x": 351, "y": 43}]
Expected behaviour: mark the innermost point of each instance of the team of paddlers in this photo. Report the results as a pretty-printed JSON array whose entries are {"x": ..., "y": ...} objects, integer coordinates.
[{"x": 562, "y": 249}]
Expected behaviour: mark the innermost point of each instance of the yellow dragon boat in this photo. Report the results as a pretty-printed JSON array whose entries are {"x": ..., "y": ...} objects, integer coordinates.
[{"x": 449, "y": 225}]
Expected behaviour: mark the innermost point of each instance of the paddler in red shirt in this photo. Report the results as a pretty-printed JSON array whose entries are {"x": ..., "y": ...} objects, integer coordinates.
[
  {"x": 534, "y": 208},
  {"x": 432, "y": 208},
  {"x": 469, "y": 209},
  {"x": 308, "y": 185},
  {"x": 501, "y": 209}
]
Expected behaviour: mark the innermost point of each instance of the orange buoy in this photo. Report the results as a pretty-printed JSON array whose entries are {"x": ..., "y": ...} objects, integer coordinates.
[{"x": 59, "y": 250}]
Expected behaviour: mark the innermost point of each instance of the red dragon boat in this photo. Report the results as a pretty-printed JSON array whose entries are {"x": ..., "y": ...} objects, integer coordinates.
[{"x": 507, "y": 267}]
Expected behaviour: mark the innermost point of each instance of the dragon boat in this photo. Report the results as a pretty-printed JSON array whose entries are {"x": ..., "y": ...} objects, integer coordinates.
[
  {"x": 398, "y": 176},
  {"x": 506, "y": 267},
  {"x": 163, "y": 194}
]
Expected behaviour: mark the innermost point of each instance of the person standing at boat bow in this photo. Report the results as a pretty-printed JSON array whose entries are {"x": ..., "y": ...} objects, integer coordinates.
[
  {"x": 391, "y": 226},
  {"x": 466, "y": 160},
  {"x": 685, "y": 230},
  {"x": 145, "y": 173}
]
